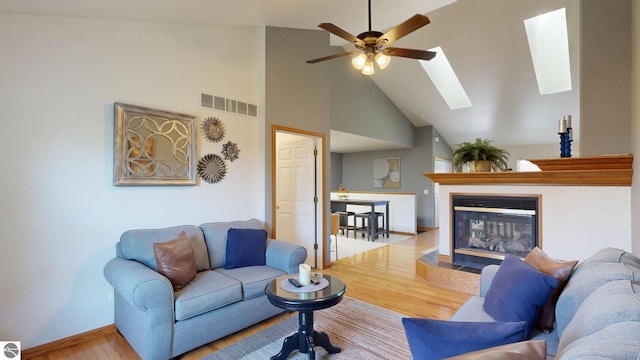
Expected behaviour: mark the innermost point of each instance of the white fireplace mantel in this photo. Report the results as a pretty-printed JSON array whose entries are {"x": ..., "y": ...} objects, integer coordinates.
[{"x": 577, "y": 218}]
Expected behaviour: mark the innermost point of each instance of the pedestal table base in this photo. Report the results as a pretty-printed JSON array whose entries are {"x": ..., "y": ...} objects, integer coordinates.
[{"x": 306, "y": 339}]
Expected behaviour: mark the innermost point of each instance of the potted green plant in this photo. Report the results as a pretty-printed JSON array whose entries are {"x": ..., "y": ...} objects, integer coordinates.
[{"x": 480, "y": 155}]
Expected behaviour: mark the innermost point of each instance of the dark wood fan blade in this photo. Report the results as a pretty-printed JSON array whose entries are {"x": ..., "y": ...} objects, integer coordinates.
[
  {"x": 341, "y": 33},
  {"x": 410, "y": 53},
  {"x": 330, "y": 57},
  {"x": 407, "y": 27}
]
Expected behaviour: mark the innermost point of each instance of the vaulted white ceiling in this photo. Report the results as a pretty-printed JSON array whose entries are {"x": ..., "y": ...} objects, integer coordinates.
[{"x": 484, "y": 40}]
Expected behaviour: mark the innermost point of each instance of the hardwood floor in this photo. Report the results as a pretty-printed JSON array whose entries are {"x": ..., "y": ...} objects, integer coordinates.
[{"x": 384, "y": 277}]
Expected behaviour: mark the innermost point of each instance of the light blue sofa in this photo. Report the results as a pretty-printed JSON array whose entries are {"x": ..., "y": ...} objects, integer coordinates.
[
  {"x": 160, "y": 323},
  {"x": 597, "y": 314}
]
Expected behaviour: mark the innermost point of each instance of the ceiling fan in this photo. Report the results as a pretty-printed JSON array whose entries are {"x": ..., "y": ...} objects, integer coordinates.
[{"x": 372, "y": 45}]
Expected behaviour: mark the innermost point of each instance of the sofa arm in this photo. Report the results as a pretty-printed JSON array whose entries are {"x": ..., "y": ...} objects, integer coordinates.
[
  {"x": 486, "y": 276},
  {"x": 140, "y": 286},
  {"x": 285, "y": 256},
  {"x": 143, "y": 307}
]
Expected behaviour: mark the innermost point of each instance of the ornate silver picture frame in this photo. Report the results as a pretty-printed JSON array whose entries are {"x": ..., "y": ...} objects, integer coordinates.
[{"x": 153, "y": 147}]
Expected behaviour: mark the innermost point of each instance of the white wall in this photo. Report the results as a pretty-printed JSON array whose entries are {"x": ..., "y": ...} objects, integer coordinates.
[
  {"x": 60, "y": 214},
  {"x": 577, "y": 221}
]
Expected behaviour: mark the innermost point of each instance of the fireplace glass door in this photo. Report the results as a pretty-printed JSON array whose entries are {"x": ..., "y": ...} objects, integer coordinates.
[{"x": 488, "y": 228}]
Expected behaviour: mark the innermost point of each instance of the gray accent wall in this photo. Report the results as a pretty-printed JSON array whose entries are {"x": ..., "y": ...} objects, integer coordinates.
[
  {"x": 357, "y": 171},
  {"x": 336, "y": 171},
  {"x": 358, "y": 106},
  {"x": 441, "y": 148},
  {"x": 331, "y": 95},
  {"x": 296, "y": 95},
  {"x": 605, "y": 76},
  {"x": 635, "y": 125}
]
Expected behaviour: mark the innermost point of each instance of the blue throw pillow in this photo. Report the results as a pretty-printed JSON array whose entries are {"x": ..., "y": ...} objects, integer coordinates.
[
  {"x": 437, "y": 339},
  {"x": 518, "y": 291},
  {"x": 245, "y": 247}
]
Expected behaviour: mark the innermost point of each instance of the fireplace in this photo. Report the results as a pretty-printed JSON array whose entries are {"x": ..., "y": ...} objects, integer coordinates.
[{"x": 485, "y": 228}]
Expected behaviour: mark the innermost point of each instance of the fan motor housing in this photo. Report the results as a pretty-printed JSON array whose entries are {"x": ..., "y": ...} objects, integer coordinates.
[{"x": 369, "y": 36}]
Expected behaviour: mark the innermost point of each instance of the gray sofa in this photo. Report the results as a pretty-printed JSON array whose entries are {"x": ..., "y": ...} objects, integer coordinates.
[
  {"x": 160, "y": 323},
  {"x": 597, "y": 313}
]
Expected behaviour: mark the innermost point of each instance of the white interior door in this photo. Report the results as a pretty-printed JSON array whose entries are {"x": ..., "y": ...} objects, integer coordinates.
[
  {"x": 295, "y": 191},
  {"x": 440, "y": 165}
]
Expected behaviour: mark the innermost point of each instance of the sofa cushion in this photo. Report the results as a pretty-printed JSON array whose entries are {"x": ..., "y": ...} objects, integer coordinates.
[
  {"x": 529, "y": 350},
  {"x": 436, "y": 339},
  {"x": 245, "y": 247},
  {"x": 175, "y": 260},
  {"x": 486, "y": 276},
  {"x": 472, "y": 310},
  {"x": 518, "y": 291},
  {"x": 253, "y": 278},
  {"x": 559, "y": 269},
  {"x": 215, "y": 235},
  {"x": 586, "y": 278},
  {"x": 138, "y": 244},
  {"x": 620, "y": 341},
  {"x": 613, "y": 302},
  {"x": 614, "y": 255},
  {"x": 210, "y": 290}
]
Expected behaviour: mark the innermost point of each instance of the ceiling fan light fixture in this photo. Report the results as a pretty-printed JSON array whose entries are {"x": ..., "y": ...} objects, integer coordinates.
[
  {"x": 368, "y": 69},
  {"x": 382, "y": 60},
  {"x": 359, "y": 61},
  {"x": 370, "y": 44}
]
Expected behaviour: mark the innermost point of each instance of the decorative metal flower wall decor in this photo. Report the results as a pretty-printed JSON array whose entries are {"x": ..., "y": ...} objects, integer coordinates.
[
  {"x": 212, "y": 168},
  {"x": 213, "y": 129},
  {"x": 230, "y": 151}
]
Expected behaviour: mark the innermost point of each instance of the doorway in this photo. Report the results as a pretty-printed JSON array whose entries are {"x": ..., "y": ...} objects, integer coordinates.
[{"x": 298, "y": 190}]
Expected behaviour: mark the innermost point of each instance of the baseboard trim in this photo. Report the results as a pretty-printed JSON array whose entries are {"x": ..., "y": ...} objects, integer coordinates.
[
  {"x": 425, "y": 228},
  {"x": 68, "y": 341},
  {"x": 402, "y": 233}
]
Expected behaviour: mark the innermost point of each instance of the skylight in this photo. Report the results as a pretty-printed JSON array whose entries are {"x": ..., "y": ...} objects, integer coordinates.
[
  {"x": 549, "y": 46},
  {"x": 445, "y": 80}
]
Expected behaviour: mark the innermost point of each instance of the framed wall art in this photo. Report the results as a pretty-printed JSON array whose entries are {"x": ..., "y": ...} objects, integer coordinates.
[
  {"x": 386, "y": 173},
  {"x": 153, "y": 147}
]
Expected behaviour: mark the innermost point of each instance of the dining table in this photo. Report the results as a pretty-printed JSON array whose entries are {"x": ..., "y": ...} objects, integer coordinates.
[{"x": 341, "y": 205}]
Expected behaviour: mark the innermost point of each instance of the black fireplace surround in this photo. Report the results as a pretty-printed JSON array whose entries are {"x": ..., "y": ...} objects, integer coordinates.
[{"x": 485, "y": 228}]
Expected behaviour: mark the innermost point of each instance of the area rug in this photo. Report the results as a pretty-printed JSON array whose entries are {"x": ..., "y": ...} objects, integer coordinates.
[{"x": 362, "y": 330}]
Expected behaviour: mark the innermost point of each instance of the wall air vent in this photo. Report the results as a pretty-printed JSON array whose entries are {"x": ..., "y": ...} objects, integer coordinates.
[{"x": 220, "y": 103}]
